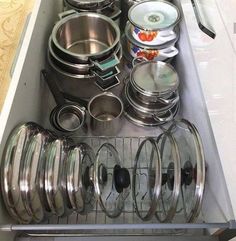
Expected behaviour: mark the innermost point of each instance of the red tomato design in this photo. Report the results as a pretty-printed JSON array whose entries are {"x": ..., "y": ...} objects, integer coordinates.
[
  {"x": 142, "y": 36},
  {"x": 149, "y": 37}
]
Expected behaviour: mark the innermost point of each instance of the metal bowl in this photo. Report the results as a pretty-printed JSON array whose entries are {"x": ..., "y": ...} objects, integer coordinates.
[{"x": 98, "y": 39}]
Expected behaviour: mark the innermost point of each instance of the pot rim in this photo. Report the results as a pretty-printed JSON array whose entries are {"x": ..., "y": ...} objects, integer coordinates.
[
  {"x": 88, "y": 14},
  {"x": 155, "y": 29},
  {"x": 133, "y": 41},
  {"x": 79, "y": 4},
  {"x": 147, "y": 93},
  {"x": 110, "y": 94}
]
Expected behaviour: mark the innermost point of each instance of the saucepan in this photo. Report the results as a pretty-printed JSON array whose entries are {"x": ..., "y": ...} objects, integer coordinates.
[{"x": 153, "y": 22}]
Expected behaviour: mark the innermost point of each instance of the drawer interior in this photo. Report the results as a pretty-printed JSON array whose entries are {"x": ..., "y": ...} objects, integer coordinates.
[{"x": 33, "y": 102}]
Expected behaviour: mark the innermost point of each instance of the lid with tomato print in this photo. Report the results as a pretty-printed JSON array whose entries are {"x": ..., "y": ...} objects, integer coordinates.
[{"x": 154, "y": 15}]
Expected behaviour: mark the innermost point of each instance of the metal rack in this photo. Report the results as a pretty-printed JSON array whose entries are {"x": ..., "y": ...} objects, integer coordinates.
[{"x": 128, "y": 223}]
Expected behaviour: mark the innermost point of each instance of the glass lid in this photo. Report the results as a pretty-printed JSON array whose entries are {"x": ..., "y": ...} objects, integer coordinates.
[
  {"x": 33, "y": 164},
  {"x": 80, "y": 3},
  {"x": 171, "y": 178},
  {"x": 55, "y": 177},
  {"x": 79, "y": 188},
  {"x": 154, "y": 15},
  {"x": 154, "y": 78},
  {"x": 111, "y": 180},
  {"x": 146, "y": 183},
  {"x": 192, "y": 167},
  {"x": 12, "y": 163}
]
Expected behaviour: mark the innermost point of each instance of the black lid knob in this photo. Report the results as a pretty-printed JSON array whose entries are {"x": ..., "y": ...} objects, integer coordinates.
[
  {"x": 121, "y": 178},
  {"x": 187, "y": 174}
]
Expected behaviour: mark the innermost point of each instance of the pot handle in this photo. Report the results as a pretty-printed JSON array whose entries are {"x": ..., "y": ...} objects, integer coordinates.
[
  {"x": 169, "y": 101},
  {"x": 167, "y": 37},
  {"x": 169, "y": 52},
  {"x": 137, "y": 60},
  {"x": 66, "y": 13},
  {"x": 106, "y": 64},
  {"x": 165, "y": 119},
  {"x": 108, "y": 84}
]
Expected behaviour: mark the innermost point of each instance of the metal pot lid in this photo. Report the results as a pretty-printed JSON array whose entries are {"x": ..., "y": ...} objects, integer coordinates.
[
  {"x": 154, "y": 78},
  {"x": 88, "y": 3},
  {"x": 171, "y": 178},
  {"x": 33, "y": 164},
  {"x": 12, "y": 163},
  {"x": 130, "y": 38},
  {"x": 154, "y": 15},
  {"x": 192, "y": 167},
  {"x": 79, "y": 188},
  {"x": 146, "y": 182},
  {"x": 111, "y": 180},
  {"x": 54, "y": 184}
]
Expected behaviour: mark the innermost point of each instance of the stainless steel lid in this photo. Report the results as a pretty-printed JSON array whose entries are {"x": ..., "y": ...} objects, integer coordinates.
[
  {"x": 154, "y": 15},
  {"x": 79, "y": 188},
  {"x": 33, "y": 165},
  {"x": 12, "y": 166},
  {"x": 146, "y": 182},
  {"x": 154, "y": 78},
  {"x": 171, "y": 178},
  {"x": 192, "y": 166},
  {"x": 111, "y": 193},
  {"x": 54, "y": 185}
]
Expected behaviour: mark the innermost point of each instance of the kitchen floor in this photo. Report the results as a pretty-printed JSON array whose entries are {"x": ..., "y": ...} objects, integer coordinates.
[{"x": 13, "y": 15}]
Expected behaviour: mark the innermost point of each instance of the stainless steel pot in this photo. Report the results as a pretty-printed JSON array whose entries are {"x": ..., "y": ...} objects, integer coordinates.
[
  {"x": 71, "y": 68},
  {"x": 152, "y": 22},
  {"x": 153, "y": 81},
  {"x": 105, "y": 111},
  {"x": 94, "y": 43},
  {"x": 151, "y": 52},
  {"x": 156, "y": 107},
  {"x": 79, "y": 85},
  {"x": 89, "y": 4}
]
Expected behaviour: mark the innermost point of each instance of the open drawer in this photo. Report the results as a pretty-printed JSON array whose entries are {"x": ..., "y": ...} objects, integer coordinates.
[{"x": 30, "y": 100}]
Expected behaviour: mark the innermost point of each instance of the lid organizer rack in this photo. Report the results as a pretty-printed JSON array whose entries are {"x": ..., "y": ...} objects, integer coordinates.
[{"x": 96, "y": 222}]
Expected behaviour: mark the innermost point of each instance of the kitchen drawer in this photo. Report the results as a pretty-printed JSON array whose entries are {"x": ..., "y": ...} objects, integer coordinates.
[{"x": 29, "y": 99}]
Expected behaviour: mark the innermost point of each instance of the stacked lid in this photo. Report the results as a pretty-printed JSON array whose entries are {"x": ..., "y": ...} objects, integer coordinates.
[
  {"x": 152, "y": 30},
  {"x": 151, "y": 94}
]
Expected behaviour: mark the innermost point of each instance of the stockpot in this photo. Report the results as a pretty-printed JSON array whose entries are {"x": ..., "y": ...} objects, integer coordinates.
[
  {"x": 95, "y": 43},
  {"x": 72, "y": 68},
  {"x": 153, "y": 22},
  {"x": 88, "y": 4},
  {"x": 153, "y": 81},
  {"x": 151, "y": 52},
  {"x": 79, "y": 85}
]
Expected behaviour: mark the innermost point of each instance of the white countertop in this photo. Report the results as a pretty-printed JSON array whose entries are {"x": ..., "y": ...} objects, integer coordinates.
[{"x": 215, "y": 61}]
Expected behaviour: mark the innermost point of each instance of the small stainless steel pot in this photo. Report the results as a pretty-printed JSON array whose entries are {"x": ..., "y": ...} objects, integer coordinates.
[
  {"x": 89, "y": 4},
  {"x": 153, "y": 81},
  {"x": 105, "y": 111},
  {"x": 153, "y": 22},
  {"x": 94, "y": 43},
  {"x": 158, "y": 106},
  {"x": 150, "y": 52}
]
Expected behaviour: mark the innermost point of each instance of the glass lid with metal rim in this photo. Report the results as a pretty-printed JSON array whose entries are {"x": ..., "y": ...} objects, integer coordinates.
[
  {"x": 80, "y": 190},
  {"x": 111, "y": 180},
  {"x": 12, "y": 163},
  {"x": 80, "y": 3},
  {"x": 154, "y": 15},
  {"x": 154, "y": 78},
  {"x": 30, "y": 176},
  {"x": 54, "y": 183},
  {"x": 146, "y": 183},
  {"x": 192, "y": 167},
  {"x": 171, "y": 178}
]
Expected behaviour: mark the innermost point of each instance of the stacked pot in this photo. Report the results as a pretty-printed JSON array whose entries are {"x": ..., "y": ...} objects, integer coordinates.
[
  {"x": 151, "y": 94},
  {"x": 109, "y": 8},
  {"x": 152, "y": 30},
  {"x": 84, "y": 60}
]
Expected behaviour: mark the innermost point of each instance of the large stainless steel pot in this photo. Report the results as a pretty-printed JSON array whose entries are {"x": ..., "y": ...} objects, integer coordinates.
[
  {"x": 89, "y": 4},
  {"x": 96, "y": 41},
  {"x": 72, "y": 68},
  {"x": 79, "y": 85}
]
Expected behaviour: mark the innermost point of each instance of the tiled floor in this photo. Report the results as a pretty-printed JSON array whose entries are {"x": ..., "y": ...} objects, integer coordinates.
[{"x": 13, "y": 14}]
